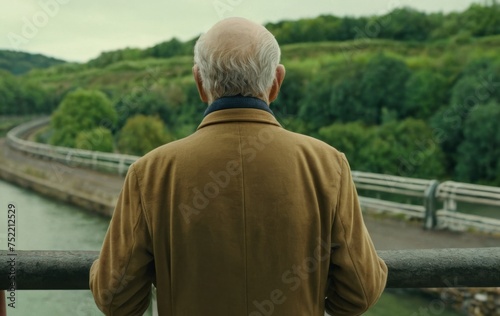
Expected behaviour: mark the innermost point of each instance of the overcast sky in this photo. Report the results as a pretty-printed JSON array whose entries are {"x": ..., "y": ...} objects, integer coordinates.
[{"x": 78, "y": 30}]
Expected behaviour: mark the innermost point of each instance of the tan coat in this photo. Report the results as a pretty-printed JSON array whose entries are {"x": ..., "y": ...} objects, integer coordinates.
[{"x": 237, "y": 219}]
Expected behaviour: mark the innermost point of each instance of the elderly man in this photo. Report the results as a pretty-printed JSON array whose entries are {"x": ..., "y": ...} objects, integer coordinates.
[{"x": 242, "y": 217}]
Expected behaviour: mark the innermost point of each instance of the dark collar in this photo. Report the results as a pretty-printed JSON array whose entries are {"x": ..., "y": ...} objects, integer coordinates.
[{"x": 237, "y": 102}]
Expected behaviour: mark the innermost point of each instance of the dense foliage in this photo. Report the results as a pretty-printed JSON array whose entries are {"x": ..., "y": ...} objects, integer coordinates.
[
  {"x": 402, "y": 24},
  {"x": 22, "y": 97},
  {"x": 96, "y": 139},
  {"x": 142, "y": 134},
  {"x": 19, "y": 62},
  {"x": 82, "y": 111},
  {"x": 404, "y": 98},
  {"x": 480, "y": 151}
]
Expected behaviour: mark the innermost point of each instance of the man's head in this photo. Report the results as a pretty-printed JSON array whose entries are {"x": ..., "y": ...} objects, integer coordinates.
[{"x": 237, "y": 56}]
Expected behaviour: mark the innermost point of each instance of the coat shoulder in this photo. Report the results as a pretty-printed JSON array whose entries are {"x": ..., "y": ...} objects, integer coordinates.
[{"x": 316, "y": 145}]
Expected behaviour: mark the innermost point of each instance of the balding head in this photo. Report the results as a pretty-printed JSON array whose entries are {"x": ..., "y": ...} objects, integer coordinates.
[
  {"x": 237, "y": 56},
  {"x": 237, "y": 36}
]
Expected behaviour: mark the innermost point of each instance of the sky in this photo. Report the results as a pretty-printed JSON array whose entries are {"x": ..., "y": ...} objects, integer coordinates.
[{"x": 78, "y": 30}]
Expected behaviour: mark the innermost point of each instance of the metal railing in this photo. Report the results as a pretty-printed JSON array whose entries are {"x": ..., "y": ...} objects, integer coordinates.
[
  {"x": 410, "y": 187},
  {"x": 430, "y": 194},
  {"x": 416, "y": 268},
  {"x": 116, "y": 163},
  {"x": 454, "y": 193},
  {"x": 424, "y": 195}
]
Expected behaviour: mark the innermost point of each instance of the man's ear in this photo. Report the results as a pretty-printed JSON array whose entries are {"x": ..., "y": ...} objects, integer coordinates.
[
  {"x": 278, "y": 80},
  {"x": 199, "y": 84}
]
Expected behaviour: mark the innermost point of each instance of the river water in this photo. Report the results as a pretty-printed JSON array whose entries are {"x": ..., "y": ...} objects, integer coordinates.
[{"x": 44, "y": 224}]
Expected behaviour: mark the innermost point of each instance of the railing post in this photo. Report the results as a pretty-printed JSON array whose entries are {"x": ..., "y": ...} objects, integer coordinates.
[
  {"x": 94, "y": 160},
  {"x": 121, "y": 166},
  {"x": 430, "y": 220}
]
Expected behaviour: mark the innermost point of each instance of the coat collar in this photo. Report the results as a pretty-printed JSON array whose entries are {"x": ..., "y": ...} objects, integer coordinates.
[
  {"x": 239, "y": 102},
  {"x": 238, "y": 109}
]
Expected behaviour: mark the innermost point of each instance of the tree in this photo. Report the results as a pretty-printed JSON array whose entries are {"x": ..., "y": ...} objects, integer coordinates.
[
  {"x": 406, "y": 24},
  {"x": 348, "y": 138},
  {"x": 97, "y": 139},
  {"x": 334, "y": 96},
  {"x": 482, "y": 20},
  {"x": 22, "y": 97},
  {"x": 108, "y": 58},
  {"x": 355, "y": 92},
  {"x": 426, "y": 92},
  {"x": 81, "y": 110},
  {"x": 314, "y": 109},
  {"x": 478, "y": 155},
  {"x": 405, "y": 148},
  {"x": 143, "y": 102},
  {"x": 171, "y": 48},
  {"x": 142, "y": 134},
  {"x": 346, "y": 104},
  {"x": 476, "y": 85},
  {"x": 7, "y": 93},
  {"x": 413, "y": 150},
  {"x": 383, "y": 86},
  {"x": 291, "y": 93},
  {"x": 19, "y": 63}
]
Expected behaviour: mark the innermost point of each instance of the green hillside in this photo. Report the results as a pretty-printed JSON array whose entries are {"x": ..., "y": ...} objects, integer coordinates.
[
  {"x": 419, "y": 100},
  {"x": 19, "y": 62}
]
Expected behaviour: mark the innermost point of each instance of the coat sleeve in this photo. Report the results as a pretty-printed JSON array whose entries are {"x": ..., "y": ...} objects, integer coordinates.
[
  {"x": 121, "y": 278},
  {"x": 357, "y": 274}
]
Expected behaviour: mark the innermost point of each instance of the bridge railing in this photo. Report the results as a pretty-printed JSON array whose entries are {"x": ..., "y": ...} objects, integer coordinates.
[
  {"x": 116, "y": 163},
  {"x": 423, "y": 195},
  {"x": 416, "y": 268},
  {"x": 422, "y": 189},
  {"x": 469, "y": 197}
]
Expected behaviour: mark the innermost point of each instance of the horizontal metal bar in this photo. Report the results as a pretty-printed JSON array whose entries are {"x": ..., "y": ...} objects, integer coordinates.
[
  {"x": 453, "y": 186},
  {"x": 47, "y": 270},
  {"x": 371, "y": 202},
  {"x": 458, "y": 267},
  {"x": 389, "y": 178},
  {"x": 66, "y": 155},
  {"x": 461, "y": 221},
  {"x": 392, "y": 190},
  {"x": 416, "y": 268},
  {"x": 393, "y": 207},
  {"x": 385, "y": 184}
]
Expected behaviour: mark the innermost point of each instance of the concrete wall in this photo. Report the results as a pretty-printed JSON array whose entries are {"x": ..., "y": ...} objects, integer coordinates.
[{"x": 49, "y": 188}]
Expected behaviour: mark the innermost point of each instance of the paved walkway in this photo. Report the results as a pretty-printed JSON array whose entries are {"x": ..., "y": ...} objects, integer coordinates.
[
  {"x": 58, "y": 171},
  {"x": 386, "y": 233},
  {"x": 396, "y": 234}
]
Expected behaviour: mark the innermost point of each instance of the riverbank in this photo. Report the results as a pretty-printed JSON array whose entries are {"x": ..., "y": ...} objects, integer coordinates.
[{"x": 93, "y": 191}]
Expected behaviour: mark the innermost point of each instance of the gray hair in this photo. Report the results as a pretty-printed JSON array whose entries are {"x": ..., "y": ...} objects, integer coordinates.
[{"x": 247, "y": 69}]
